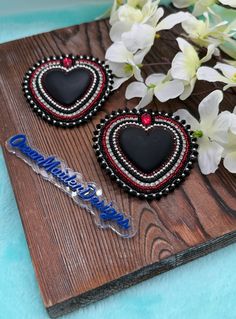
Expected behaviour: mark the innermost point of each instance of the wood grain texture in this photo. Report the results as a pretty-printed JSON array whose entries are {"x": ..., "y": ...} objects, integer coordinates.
[{"x": 76, "y": 262}]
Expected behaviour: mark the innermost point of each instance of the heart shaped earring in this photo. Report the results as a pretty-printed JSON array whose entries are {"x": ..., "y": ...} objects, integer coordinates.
[
  {"x": 67, "y": 90},
  {"x": 147, "y": 153}
]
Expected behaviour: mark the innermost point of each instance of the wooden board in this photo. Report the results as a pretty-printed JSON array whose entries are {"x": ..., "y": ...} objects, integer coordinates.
[{"x": 75, "y": 262}]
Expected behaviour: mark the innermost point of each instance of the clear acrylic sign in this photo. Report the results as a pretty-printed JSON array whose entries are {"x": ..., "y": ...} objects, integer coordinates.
[{"x": 86, "y": 194}]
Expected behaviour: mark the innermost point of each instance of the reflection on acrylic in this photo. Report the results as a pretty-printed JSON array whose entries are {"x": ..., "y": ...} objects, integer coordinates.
[{"x": 86, "y": 194}]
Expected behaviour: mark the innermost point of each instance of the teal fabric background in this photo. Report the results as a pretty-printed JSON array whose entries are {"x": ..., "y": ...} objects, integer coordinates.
[
  {"x": 203, "y": 289},
  {"x": 19, "y": 18}
]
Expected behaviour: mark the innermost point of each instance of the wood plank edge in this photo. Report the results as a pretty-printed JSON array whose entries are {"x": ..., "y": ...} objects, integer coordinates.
[{"x": 142, "y": 274}]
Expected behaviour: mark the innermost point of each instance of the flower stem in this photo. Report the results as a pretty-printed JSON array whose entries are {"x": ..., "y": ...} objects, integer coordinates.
[{"x": 158, "y": 63}]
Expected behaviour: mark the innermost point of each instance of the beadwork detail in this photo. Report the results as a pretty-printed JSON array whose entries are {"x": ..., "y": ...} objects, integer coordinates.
[
  {"x": 130, "y": 168},
  {"x": 93, "y": 94}
]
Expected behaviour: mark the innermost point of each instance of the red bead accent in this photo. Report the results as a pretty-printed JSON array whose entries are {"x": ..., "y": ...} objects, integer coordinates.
[
  {"x": 146, "y": 119},
  {"x": 67, "y": 62}
]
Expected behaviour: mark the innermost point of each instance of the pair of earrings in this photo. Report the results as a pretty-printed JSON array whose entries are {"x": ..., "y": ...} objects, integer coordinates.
[{"x": 147, "y": 153}]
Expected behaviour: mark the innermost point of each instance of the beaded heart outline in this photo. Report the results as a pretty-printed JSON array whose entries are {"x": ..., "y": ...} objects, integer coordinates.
[
  {"x": 66, "y": 61},
  {"x": 123, "y": 172}
]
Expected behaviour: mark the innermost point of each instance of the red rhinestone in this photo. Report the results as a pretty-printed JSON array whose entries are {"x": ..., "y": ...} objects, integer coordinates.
[
  {"x": 146, "y": 119},
  {"x": 67, "y": 62}
]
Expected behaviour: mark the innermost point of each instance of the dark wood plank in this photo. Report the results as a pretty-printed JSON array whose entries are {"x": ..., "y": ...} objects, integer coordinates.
[{"x": 75, "y": 262}]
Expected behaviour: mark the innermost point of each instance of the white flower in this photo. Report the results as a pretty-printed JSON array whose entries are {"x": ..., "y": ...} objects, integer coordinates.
[
  {"x": 157, "y": 84},
  {"x": 211, "y": 130},
  {"x": 211, "y": 75},
  {"x": 124, "y": 64},
  {"x": 171, "y": 20},
  {"x": 140, "y": 36},
  {"x": 210, "y": 30},
  {"x": 200, "y": 6},
  {"x": 155, "y": 25},
  {"x": 233, "y": 122},
  {"x": 186, "y": 63},
  {"x": 132, "y": 12},
  {"x": 113, "y": 13},
  {"x": 230, "y": 148}
]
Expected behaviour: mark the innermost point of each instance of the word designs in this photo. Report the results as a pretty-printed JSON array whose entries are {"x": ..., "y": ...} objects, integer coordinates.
[{"x": 87, "y": 195}]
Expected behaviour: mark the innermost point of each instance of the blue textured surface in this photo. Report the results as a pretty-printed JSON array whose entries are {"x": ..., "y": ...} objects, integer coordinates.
[
  {"x": 19, "y": 18},
  {"x": 203, "y": 289}
]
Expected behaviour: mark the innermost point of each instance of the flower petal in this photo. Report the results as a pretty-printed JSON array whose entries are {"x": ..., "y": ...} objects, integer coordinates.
[
  {"x": 231, "y": 143},
  {"x": 137, "y": 73},
  {"x": 202, "y": 6},
  {"x": 127, "y": 13},
  {"x": 230, "y": 3},
  {"x": 118, "y": 29},
  {"x": 192, "y": 26},
  {"x": 185, "y": 46},
  {"x": 188, "y": 89},
  {"x": 185, "y": 115},
  {"x": 139, "y": 56},
  {"x": 146, "y": 99},
  {"x": 211, "y": 75},
  {"x": 156, "y": 16},
  {"x": 139, "y": 37},
  {"x": 210, "y": 51},
  {"x": 113, "y": 14},
  {"x": 233, "y": 122},
  {"x": 230, "y": 85},
  {"x": 168, "y": 90},
  {"x": 230, "y": 162},
  {"x": 182, "y": 3},
  {"x": 209, "y": 155},
  {"x": 155, "y": 78},
  {"x": 117, "y": 52},
  {"x": 220, "y": 128},
  {"x": 119, "y": 81},
  {"x": 185, "y": 64},
  {"x": 178, "y": 69},
  {"x": 118, "y": 69},
  {"x": 228, "y": 70},
  {"x": 135, "y": 89},
  {"x": 171, "y": 20},
  {"x": 209, "y": 108}
]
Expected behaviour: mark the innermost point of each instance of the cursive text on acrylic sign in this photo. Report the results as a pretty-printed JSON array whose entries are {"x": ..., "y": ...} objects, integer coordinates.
[{"x": 87, "y": 195}]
